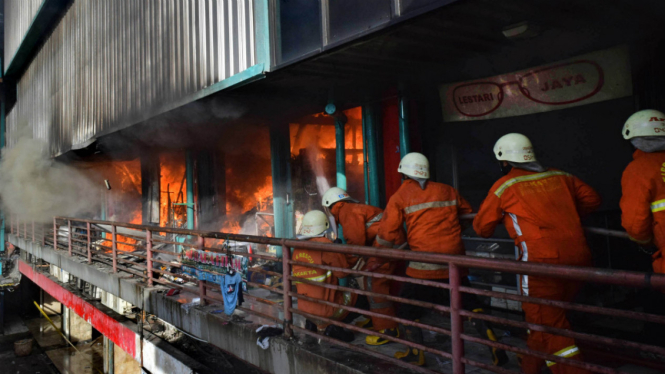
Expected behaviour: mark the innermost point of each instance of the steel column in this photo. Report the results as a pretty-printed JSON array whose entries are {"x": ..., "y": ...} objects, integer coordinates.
[
  {"x": 456, "y": 324},
  {"x": 340, "y": 153},
  {"x": 88, "y": 246},
  {"x": 200, "y": 244},
  {"x": 189, "y": 175},
  {"x": 280, "y": 157},
  {"x": 2, "y": 231},
  {"x": 69, "y": 236},
  {"x": 114, "y": 248},
  {"x": 65, "y": 322},
  {"x": 109, "y": 353},
  {"x": 404, "y": 140},
  {"x": 373, "y": 156},
  {"x": 286, "y": 285},
  {"x": 365, "y": 162},
  {"x": 2, "y": 312},
  {"x": 55, "y": 234},
  {"x": 148, "y": 244}
]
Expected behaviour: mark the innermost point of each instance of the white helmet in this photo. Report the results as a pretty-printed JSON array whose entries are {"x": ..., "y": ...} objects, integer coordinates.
[
  {"x": 515, "y": 148},
  {"x": 314, "y": 223},
  {"x": 335, "y": 194},
  {"x": 646, "y": 122},
  {"x": 415, "y": 165}
]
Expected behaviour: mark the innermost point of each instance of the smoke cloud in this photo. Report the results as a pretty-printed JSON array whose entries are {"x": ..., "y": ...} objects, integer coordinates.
[{"x": 35, "y": 187}]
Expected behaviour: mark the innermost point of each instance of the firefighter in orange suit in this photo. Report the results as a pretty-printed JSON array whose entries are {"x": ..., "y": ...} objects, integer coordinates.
[
  {"x": 361, "y": 224},
  {"x": 431, "y": 212},
  {"x": 643, "y": 201},
  {"x": 315, "y": 227},
  {"x": 643, "y": 184},
  {"x": 541, "y": 210}
]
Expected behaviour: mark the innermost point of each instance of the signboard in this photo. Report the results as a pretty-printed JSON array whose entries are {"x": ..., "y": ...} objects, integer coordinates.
[{"x": 594, "y": 77}]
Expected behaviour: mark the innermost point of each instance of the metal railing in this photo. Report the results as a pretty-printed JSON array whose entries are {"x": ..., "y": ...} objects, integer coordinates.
[{"x": 86, "y": 238}]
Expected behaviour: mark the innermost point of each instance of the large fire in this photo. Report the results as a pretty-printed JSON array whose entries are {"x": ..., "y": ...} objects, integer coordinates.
[
  {"x": 173, "y": 194},
  {"x": 313, "y": 145}
]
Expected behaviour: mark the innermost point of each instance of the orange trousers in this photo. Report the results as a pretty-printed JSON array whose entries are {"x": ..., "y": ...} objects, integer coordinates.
[
  {"x": 379, "y": 304},
  {"x": 553, "y": 289}
]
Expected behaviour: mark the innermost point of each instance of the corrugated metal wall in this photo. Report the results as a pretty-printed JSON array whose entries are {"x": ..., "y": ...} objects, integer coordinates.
[
  {"x": 19, "y": 15},
  {"x": 110, "y": 64}
]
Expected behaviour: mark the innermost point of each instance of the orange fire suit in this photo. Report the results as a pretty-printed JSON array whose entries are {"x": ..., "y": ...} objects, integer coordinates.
[
  {"x": 541, "y": 211},
  {"x": 323, "y": 276},
  {"x": 432, "y": 223},
  {"x": 643, "y": 202},
  {"x": 361, "y": 225}
]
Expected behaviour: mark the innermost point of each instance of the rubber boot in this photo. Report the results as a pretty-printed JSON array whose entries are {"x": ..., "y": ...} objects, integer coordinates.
[
  {"x": 412, "y": 355},
  {"x": 339, "y": 333},
  {"x": 377, "y": 340},
  {"x": 484, "y": 328},
  {"x": 311, "y": 326}
]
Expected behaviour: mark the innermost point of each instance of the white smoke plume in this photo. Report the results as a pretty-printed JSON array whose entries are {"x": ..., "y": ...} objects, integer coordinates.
[
  {"x": 35, "y": 187},
  {"x": 313, "y": 153}
]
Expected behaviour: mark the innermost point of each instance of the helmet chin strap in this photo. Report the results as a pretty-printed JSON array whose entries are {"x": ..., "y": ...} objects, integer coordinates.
[{"x": 505, "y": 169}]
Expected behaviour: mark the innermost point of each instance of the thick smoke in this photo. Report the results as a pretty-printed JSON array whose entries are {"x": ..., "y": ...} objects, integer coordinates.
[{"x": 36, "y": 188}]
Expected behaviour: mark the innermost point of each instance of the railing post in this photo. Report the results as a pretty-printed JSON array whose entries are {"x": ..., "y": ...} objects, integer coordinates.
[
  {"x": 114, "y": 249},
  {"x": 69, "y": 236},
  {"x": 202, "y": 292},
  {"x": 33, "y": 231},
  {"x": 200, "y": 244},
  {"x": 87, "y": 227},
  {"x": 55, "y": 233},
  {"x": 286, "y": 285},
  {"x": 456, "y": 324},
  {"x": 11, "y": 224},
  {"x": 25, "y": 230},
  {"x": 148, "y": 239}
]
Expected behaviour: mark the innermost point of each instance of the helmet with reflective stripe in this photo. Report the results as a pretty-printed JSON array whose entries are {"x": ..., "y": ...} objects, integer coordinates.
[
  {"x": 648, "y": 122},
  {"x": 335, "y": 194},
  {"x": 514, "y": 148},
  {"x": 314, "y": 223},
  {"x": 415, "y": 165}
]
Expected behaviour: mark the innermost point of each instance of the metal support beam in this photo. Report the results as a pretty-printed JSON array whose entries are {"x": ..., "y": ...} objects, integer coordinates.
[
  {"x": 365, "y": 162},
  {"x": 2, "y": 145},
  {"x": 2, "y": 312},
  {"x": 65, "y": 322},
  {"x": 189, "y": 171},
  {"x": 150, "y": 189},
  {"x": 340, "y": 152},
  {"x": 280, "y": 158},
  {"x": 373, "y": 162},
  {"x": 109, "y": 353},
  {"x": 404, "y": 140}
]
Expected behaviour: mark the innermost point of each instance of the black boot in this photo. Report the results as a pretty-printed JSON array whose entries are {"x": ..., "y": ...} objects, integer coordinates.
[
  {"x": 412, "y": 355},
  {"x": 311, "y": 326},
  {"x": 339, "y": 333},
  {"x": 484, "y": 328}
]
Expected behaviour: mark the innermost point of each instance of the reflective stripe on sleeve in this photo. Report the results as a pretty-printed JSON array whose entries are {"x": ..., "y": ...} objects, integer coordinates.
[
  {"x": 374, "y": 220},
  {"x": 431, "y": 204},
  {"x": 527, "y": 178},
  {"x": 426, "y": 266},
  {"x": 383, "y": 242},
  {"x": 318, "y": 278},
  {"x": 658, "y": 206},
  {"x": 570, "y": 351},
  {"x": 640, "y": 241}
]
